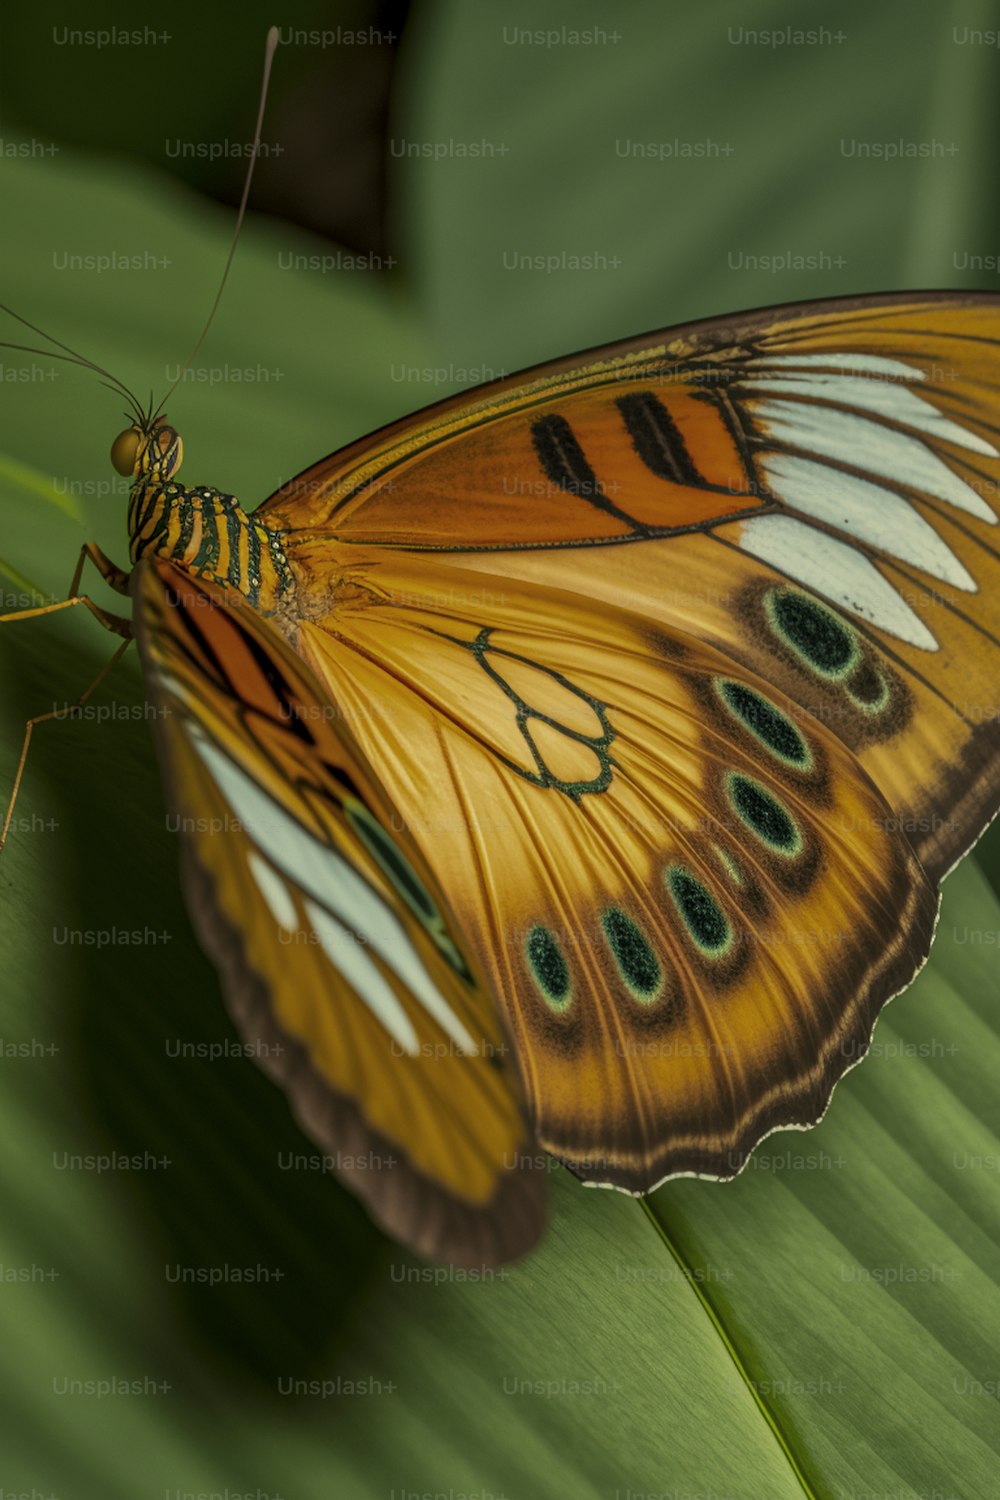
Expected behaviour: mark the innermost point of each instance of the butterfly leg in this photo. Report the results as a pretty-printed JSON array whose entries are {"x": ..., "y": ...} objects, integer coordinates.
[
  {"x": 114, "y": 576},
  {"x": 55, "y": 713},
  {"x": 117, "y": 579},
  {"x": 117, "y": 624}
]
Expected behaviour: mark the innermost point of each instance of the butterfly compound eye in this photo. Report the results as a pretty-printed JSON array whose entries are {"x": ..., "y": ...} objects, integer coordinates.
[{"x": 125, "y": 450}]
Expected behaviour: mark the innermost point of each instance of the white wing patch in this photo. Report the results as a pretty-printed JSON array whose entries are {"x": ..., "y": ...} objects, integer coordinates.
[
  {"x": 836, "y": 570},
  {"x": 345, "y": 952},
  {"x": 886, "y": 398},
  {"x": 865, "y": 510},
  {"x": 275, "y": 892},
  {"x": 832, "y": 424},
  {"x": 865, "y": 364},
  {"x": 866, "y": 445},
  {"x": 360, "y": 916}
]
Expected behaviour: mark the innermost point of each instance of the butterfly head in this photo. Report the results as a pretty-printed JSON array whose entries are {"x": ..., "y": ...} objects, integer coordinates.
[{"x": 150, "y": 449}]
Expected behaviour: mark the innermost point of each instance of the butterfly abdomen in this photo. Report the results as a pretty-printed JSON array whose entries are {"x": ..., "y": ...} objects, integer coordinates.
[{"x": 211, "y": 535}]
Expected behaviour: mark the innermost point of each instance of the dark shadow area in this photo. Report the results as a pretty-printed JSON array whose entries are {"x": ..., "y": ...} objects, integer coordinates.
[{"x": 324, "y": 148}]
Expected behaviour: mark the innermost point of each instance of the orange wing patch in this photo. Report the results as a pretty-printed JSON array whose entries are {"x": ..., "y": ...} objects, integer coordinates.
[{"x": 622, "y": 459}]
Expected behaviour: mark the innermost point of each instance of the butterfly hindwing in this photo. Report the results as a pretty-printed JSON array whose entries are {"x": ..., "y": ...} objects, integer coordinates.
[
  {"x": 336, "y": 946},
  {"x": 691, "y": 899}
]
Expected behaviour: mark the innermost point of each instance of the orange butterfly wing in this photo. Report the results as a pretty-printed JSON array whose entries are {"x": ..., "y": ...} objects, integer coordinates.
[
  {"x": 691, "y": 900},
  {"x": 789, "y": 514},
  {"x": 848, "y": 446},
  {"x": 336, "y": 946}
]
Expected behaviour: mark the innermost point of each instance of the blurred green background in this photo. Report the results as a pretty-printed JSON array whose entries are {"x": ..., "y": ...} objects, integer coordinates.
[{"x": 698, "y": 160}]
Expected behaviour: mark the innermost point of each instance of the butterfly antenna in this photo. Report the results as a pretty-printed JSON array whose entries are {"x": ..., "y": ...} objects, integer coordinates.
[
  {"x": 70, "y": 356},
  {"x": 269, "y": 50}
]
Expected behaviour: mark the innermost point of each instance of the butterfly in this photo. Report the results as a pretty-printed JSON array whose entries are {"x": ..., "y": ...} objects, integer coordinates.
[{"x": 587, "y": 749}]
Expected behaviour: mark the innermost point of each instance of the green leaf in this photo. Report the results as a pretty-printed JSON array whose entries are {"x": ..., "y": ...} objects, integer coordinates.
[{"x": 24, "y": 477}]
